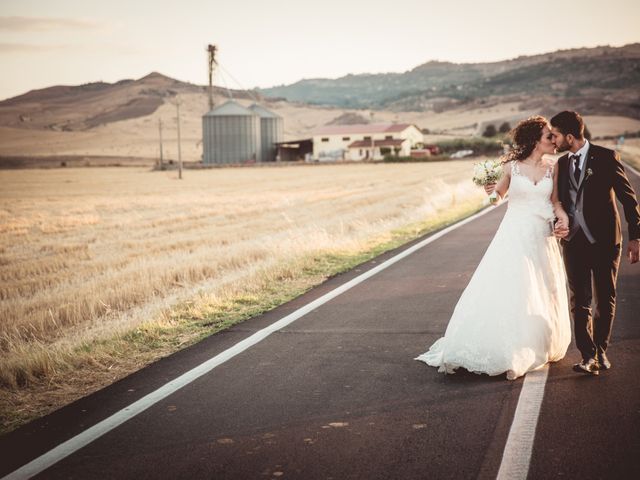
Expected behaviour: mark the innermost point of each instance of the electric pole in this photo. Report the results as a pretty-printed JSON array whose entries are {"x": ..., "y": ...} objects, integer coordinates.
[
  {"x": 160, "y": 129},
  {"x": 179, "y": 152},
  {"x": 212, "y": 49},
  {"x": 373, "y": 148}
]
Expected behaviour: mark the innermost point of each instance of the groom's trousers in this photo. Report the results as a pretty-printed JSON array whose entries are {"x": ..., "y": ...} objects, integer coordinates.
[{"x": 592, "y": 271}]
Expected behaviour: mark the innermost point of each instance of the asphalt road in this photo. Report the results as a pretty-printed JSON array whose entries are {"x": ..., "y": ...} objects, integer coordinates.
[{"x": 337, "y": 394}]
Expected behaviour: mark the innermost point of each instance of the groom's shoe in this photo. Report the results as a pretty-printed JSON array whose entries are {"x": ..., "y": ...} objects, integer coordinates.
[
  {"x": 603, "y": 361},
  {"x": 587, "y": 366}
]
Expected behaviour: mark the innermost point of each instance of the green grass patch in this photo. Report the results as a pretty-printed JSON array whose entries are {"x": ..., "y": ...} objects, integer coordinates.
[
  {"x": 430, "y": 158},
  {"x": 479, "y": 145}
]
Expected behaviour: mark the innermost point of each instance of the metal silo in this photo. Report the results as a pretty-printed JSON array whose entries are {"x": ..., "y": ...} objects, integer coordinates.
[
  {"x": 231, "y": 134},
  {"x": 271, "y": 128}
]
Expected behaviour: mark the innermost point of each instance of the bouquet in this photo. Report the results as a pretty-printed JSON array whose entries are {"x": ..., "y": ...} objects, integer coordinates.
[{"x": 487, "y": 172}]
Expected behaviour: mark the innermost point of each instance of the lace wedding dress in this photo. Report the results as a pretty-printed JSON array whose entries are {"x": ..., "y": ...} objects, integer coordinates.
[{"x": 513, "y": 316}]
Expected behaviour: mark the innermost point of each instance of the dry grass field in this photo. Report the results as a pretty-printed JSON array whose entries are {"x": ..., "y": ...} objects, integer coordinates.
[{"x": 107, "y": 269}]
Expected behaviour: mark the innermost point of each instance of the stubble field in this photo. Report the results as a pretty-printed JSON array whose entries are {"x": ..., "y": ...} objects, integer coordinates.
[{"x": 107, "y": 269}]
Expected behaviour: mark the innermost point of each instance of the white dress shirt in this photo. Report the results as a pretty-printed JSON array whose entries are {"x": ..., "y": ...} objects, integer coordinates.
[{"x": 583, "y": 155}]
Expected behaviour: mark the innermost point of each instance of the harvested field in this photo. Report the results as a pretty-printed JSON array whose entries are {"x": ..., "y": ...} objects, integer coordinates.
[{"x": 91, "y": 255}]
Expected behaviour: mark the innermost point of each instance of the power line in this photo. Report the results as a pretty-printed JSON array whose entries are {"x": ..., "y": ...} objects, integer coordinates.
[
  {"x": 242, "y": 87},
  {"x": 226, "y": 87}
]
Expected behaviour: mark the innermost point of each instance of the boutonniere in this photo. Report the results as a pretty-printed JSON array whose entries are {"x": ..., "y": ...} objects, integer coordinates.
[{"x": 587, "y": 174}]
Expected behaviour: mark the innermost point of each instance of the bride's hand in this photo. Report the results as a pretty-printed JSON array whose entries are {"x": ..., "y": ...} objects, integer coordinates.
[
  {"x": 489, "y": 188},
  {"x": 561, "y": 227}
]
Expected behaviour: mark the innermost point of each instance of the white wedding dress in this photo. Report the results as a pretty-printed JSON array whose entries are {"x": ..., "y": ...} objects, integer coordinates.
[{"x": 513, "y": 316}]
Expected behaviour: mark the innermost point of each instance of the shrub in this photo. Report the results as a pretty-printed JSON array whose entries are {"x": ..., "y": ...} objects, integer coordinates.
[
  {"x": 626, "y": 134},
  {"x": 505, "y": 128},
  {"x": 430, "y": 158},
  {"x": 479, "y": 145},
  {"x": 490, "y": 131}
]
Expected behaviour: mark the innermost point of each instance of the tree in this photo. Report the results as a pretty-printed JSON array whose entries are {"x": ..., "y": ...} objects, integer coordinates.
[
  {"x": 490, "y": 131},
  {"x": 505, "y": 128}
]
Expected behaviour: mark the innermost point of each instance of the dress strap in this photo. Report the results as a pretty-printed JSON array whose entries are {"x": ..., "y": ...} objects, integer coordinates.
[
  {"x": 515, "y": 167},
  {"x": 549, "y": 172}
]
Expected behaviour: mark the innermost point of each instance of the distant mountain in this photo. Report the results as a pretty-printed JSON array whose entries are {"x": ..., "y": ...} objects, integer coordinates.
[
  {"x": 601, "y": 80},
  {"x": 85, "y": 106},
  {"x": 69, "y": 108},
  {"x": 594, "y": 81}
]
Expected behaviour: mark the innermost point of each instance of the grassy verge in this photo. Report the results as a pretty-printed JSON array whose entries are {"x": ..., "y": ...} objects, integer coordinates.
[{"x": 93, "y": 365}]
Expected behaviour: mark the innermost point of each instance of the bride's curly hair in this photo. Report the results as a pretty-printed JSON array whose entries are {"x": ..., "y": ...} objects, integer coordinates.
[{"x": 525, "y": 136}]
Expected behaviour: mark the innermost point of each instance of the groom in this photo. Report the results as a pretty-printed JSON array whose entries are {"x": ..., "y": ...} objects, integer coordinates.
[{"x": 590, "y": 178}]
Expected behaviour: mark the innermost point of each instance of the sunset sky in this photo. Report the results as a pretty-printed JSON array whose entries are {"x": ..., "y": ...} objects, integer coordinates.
[{"x": 265, "y": 43}]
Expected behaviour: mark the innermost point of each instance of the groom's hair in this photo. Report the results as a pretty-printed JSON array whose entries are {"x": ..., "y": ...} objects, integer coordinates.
[{"x": 569, "y": 122}]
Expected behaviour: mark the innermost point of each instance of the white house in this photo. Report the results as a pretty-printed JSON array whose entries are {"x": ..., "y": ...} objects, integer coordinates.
[{"x": 366, "y": 141}]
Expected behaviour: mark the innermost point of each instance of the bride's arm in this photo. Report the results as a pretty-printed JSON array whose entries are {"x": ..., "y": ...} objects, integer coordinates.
[
  {"x": 558, "y": 210},
  {"x": 502, "y": 187}
]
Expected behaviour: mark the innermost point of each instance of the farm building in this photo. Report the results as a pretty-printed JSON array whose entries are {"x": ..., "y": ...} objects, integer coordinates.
[
  {"x": 232, "y": 133},
  {"x": 365, "y": 141},
  {"x": 295, "y": 150}
]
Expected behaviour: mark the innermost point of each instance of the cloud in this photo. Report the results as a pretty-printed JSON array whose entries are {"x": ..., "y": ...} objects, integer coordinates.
[{"x": 24, "y": 24}]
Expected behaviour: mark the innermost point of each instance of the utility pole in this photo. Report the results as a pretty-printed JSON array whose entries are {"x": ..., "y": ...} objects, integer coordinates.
[
  {"x": 179, "y": 152},
  {"x": 160, "y": 129},
  {"x": 212, "y": 49},
  {"x": 372, "y": 142}
]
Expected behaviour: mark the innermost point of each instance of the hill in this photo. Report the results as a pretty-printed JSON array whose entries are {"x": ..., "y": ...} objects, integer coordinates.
[
  {"x": 118, "y": 123},
  {"x": 77, "y": 108},
  {"x": 596, "y": 81}
]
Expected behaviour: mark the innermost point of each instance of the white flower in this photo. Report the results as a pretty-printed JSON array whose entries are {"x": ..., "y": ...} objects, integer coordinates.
[{"x": 487, "y": 172}]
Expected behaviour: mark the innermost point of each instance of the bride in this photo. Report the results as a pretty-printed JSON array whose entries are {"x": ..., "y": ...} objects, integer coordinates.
[{"x": 513, "y": 316}]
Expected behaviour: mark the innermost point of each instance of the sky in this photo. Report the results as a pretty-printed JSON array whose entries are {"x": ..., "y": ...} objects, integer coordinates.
[{"x": 264, "y": 43}]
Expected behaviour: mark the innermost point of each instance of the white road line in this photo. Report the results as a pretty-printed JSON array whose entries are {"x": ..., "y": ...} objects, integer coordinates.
[
  {"x": 82, "y": 439},
  {"x": 517, "y": 451},
  {"x": 519, "y": 447},
  {"x": 629, "y": 167}
]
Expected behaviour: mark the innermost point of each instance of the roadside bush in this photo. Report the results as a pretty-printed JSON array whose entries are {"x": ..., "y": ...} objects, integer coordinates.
[
  {"x": 490, "y": 131},
  {"x": 505, "y": 128},
  {"x": 479, "y": 145},
  {"x": 626, "y": 134},
  {"x": 430, "y": 158}
]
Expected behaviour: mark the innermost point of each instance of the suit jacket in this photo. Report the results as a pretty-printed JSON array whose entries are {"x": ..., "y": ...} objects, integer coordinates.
[{"x": 603, "y": 179}]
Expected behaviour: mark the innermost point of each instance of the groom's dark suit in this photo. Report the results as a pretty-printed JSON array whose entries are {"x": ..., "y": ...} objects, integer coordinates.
[{"x": 591, "y": 202}]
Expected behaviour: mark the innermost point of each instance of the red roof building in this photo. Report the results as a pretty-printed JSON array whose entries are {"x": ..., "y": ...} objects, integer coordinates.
[{"x": 365, "y": 141}]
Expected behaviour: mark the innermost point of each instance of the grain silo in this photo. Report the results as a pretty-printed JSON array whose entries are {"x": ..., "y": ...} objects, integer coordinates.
[
  {"x": 271, "y": 131},
  {"x": 231, "y": 134}
]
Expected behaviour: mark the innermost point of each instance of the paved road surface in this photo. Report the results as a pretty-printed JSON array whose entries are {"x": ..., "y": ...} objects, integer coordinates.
[{"x": 337, "y": 394}]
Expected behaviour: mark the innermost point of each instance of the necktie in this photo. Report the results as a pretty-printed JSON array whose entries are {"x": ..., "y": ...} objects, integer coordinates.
[{"x": 576, "y": 167}]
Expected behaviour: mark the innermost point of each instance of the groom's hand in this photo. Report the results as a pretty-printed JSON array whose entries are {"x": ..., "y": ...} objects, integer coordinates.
[
  {"x": 489, "y": 188},
  {"x": 560, "y": 230},
  {"x": 633, "y": 250}
]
